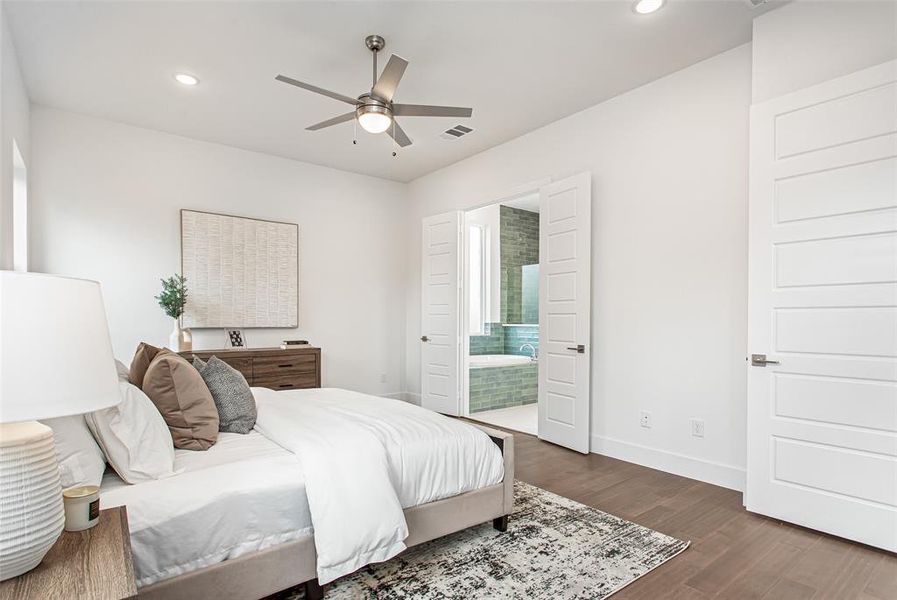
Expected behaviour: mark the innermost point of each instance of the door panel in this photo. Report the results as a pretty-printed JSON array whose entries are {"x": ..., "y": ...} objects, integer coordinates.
[
  {"x": 564, "y": 311},
  {"x": 440, "y": 317},
  {"x": 822, "y": 422}
]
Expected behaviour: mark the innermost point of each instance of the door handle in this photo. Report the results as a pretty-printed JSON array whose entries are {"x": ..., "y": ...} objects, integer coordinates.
[
  {"x": 759, "y": 360},
  {"x": 424, "y": 338},
  {"x": 580, "y": 348}
]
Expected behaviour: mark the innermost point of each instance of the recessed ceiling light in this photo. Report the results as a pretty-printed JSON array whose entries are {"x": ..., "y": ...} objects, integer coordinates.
[
  {"x": 185, "y": 79},
  {"x": 644, "y": 7}
]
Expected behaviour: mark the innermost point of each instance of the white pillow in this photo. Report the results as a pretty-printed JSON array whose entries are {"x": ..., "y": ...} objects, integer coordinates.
[
  {"x": 134, "y": 437},
  {"x": 124, "y": 373},
  {"x": 81, "y": 461}
]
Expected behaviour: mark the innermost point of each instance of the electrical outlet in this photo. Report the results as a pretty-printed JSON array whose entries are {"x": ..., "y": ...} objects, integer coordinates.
[
  {"x": 645, "y": 419},
  {"x": 382, "y": 377},
  {"x": 697, "y": 427}
]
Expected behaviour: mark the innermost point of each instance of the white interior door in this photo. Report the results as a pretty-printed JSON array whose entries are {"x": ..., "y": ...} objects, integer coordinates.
[
  {"x": 822, "y": 419},
  {"x": 565, "y": 236},
  {"x": 440, "y": 316}
]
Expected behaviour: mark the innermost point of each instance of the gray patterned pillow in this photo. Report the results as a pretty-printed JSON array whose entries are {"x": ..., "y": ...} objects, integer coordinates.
[{"x": 233, "y": 398}]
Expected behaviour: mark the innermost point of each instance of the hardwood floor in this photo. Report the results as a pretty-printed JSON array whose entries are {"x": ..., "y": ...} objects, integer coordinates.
[{"x": 733, "y": 553}]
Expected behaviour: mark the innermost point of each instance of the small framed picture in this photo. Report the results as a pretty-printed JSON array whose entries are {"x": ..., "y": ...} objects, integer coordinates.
[{"x": 235, "y": 338}]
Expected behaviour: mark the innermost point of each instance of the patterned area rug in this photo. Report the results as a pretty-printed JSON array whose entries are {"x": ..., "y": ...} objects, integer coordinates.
[{"x": 554, "y": 548}]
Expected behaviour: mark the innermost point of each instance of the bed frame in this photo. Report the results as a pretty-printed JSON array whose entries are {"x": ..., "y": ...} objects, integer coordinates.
[{"x": 269, "y": 571}]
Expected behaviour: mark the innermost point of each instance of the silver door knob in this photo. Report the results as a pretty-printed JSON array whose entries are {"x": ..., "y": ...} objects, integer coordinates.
[
  {"x": 759, "y": 360},
  {"x": 580, "y": 348}
]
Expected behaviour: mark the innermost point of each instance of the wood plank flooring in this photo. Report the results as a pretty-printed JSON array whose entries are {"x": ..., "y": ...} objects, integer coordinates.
[{"x": 733, "y": 553}]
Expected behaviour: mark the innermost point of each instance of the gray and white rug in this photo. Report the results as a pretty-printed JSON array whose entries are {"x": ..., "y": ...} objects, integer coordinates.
[{"x": 554, "y": 548}]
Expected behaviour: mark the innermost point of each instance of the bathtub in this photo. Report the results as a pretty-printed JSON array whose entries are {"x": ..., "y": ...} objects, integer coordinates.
[
  {"x": 480, "y": 361},
  {"x": 502, "y": 381}
]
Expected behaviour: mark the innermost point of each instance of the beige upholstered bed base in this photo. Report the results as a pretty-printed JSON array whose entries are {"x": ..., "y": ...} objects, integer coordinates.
[{"x": 262, "y": 573}]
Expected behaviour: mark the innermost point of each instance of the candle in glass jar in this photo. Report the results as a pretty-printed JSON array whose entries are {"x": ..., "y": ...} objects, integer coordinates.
[{"x": 82, "y": 507}]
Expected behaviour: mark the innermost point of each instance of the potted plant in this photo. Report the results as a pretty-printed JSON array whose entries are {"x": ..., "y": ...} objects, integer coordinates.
[{"x": 173, "y": 299}]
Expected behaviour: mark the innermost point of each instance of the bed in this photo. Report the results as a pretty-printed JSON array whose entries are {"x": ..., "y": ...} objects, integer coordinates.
[{"x": 262, "y": 512}]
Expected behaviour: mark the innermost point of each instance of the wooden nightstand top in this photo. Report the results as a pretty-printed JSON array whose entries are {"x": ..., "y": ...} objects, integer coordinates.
[{"x": 88, "y": 565}]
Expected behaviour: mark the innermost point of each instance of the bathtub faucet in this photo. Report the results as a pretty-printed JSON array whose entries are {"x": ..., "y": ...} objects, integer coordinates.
[{"x": 534, "y": 354}]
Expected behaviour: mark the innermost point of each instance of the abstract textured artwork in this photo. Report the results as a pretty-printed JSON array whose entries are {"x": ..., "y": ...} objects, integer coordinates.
[
  {"x": 240, "y": 272},
  {"x": 554, "y": 549}
]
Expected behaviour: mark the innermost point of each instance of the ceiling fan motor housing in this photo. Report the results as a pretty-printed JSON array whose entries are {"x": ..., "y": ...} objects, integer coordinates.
[{"x": 372, "y": 104}]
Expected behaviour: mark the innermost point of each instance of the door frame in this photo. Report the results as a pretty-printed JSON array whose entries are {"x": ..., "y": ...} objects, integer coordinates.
[{"x": 525, "y": 189}]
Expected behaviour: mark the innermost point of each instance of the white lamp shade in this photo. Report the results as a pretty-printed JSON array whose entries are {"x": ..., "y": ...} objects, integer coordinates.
[{"x": 55, "y": 351}]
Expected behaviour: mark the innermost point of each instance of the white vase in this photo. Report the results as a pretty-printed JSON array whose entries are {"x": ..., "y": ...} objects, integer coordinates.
[
  {"x": 174, "y": 340},
  {"x": 186, "y": 340},
  {"x": 31, "y": 508}
]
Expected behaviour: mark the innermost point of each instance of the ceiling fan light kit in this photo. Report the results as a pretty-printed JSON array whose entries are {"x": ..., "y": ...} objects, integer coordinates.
[{"x": 375, "y": 110}]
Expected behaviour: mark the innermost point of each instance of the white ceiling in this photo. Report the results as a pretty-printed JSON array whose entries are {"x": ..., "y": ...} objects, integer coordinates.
[{"x": 519, "y": 65}]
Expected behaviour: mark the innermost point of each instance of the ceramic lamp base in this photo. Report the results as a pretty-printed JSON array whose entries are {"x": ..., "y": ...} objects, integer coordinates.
[{"x": 30, "y": 496}]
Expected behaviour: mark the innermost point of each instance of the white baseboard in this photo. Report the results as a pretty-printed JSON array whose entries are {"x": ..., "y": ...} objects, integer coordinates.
[
  {"x": 404, "y": 396},
  {"x": 720, "y": 474}
]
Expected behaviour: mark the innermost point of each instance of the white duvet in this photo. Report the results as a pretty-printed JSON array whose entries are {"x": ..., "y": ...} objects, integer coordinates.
[
  {"x": 243, "y": 495},
  {"x": 364, "y": 459}
]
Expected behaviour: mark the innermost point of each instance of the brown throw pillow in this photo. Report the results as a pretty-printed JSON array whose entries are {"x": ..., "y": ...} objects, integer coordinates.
[
  {"x": 141, "y": 361},
  {"x": 181, "y": 395}
]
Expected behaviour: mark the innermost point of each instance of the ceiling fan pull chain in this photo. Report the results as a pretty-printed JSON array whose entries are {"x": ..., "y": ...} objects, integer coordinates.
[
  {"x": 355, "y": 131},
  {"x": 393, "y": 136}
]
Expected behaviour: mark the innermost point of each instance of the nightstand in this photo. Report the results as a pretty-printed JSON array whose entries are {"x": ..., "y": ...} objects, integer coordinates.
[{"x": 89, "y": 565}]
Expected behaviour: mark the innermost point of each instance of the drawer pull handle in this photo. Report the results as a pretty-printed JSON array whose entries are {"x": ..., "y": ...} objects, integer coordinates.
[
  {"x": 284, "y": 366},
  {"x": 285, "y": 385}
]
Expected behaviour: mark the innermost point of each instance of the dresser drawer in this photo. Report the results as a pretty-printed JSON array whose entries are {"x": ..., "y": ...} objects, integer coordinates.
[
  {"x": 243, "y": 365},
  {"x": 283, "y": 366},
  {"x": 287, "y": 382}
]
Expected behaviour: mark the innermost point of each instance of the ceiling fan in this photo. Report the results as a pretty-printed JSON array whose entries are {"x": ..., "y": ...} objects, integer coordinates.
[{"x": 375, "y": 110}]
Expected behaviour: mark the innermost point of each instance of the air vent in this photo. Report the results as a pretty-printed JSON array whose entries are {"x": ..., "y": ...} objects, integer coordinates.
[{"x": 456, "y": 132}]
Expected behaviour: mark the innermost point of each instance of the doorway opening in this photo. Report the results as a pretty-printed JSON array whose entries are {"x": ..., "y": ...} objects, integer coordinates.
[{"x": 501, "y": 361}]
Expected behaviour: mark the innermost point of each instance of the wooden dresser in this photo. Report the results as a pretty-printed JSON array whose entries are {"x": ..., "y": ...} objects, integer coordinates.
[{"x": 271, "y": 367}]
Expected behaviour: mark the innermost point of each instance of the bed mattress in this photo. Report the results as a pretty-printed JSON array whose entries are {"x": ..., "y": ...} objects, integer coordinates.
[{"x": 244, "y": 494}]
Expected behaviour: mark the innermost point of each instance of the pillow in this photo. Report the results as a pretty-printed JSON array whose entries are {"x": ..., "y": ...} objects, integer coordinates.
[
  {"x": 231, "y": 393},
  {"x": 81, "y": 461},
  {"x": 133, "y": 437},
  {"x": 180, "y": 394},
  {"x": 123, "y": 373},
  {"x": 141, "y": 361}
]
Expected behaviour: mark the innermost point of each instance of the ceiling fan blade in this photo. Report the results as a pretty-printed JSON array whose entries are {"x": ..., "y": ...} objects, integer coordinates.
[
  {"x": 390, "y": 77},
  {"x": 398, "y": 134},
  {"x": 317, "y": 90},
  {"x": 425, "y": 110},
  {"x": 334, "y": 121}
]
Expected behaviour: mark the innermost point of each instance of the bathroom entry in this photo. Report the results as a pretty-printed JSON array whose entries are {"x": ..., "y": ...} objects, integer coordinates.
[
  {"x": 465, "y": 317},
  {"x": 502, "y": 298}
]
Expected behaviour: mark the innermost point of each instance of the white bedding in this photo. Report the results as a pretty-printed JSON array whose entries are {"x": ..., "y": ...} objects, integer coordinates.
[
  {"x": 365, "y": 458},
  {"x": 368, "y": 456},
  {"x": 244, "y": 494}
]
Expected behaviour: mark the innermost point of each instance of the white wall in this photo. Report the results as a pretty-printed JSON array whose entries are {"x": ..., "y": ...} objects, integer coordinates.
[
  {"x": 810, "y": 41},
  {"x": 669, "y": 169},
  {"x": 14, "y": 125},
  {"x": 105, "y": 205}
]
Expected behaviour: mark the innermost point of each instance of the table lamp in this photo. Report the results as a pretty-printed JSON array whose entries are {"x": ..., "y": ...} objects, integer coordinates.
[{"x": 55, "y": 360}]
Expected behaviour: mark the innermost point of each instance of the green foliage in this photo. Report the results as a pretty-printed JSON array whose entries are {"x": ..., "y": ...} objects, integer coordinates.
[{"x": 174, "y": 296}]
